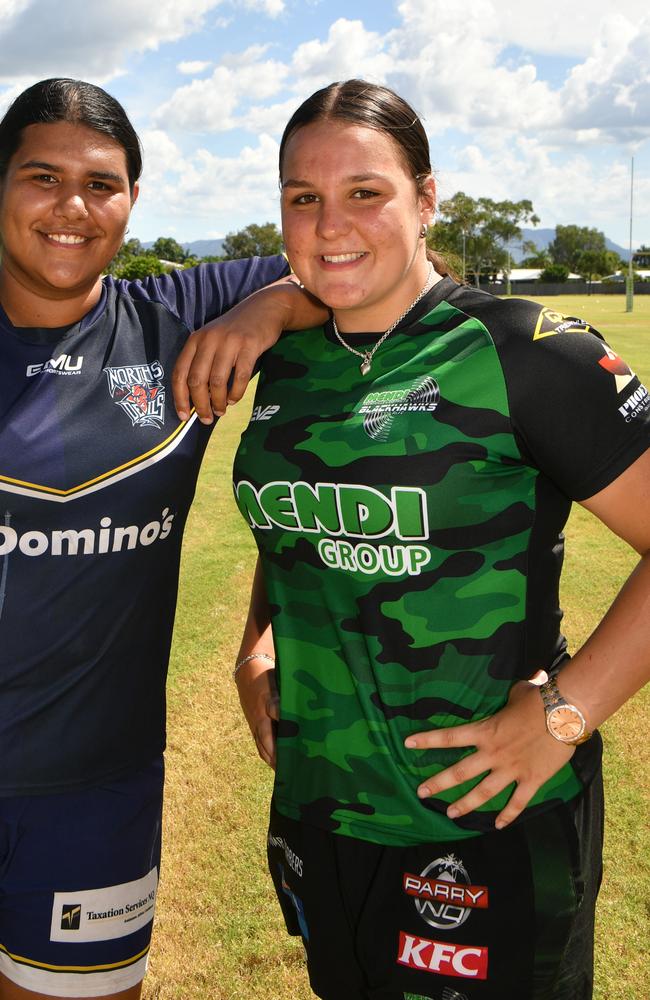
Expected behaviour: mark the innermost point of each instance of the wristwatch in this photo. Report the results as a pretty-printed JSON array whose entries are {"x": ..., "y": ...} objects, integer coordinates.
[{"x": 564, "y": 722}]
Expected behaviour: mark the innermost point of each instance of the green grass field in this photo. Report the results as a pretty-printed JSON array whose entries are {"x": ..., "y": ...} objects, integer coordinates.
[{"x": 218, "y": 933}]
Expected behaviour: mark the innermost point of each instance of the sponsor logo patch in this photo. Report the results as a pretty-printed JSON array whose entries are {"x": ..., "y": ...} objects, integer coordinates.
[
  {"x": 140, "y": 392},
  {"x": 551, "y": 323},
  {"x": 443, "y": 893},
  {"x": 65, "y": 364},
  {"x": 623, "y": 375},
  {"x": 101, "y": 540},
  {"x": 382, "y": 410},
  {"x": 635, "y": 405},
  {"x": 264, "y": 412},
  {"x": 442, "y": 958},
  {"x": 292, "y": 859},
  {"x": 351, "y": 510},
  {"x": 104, "y": 914},
  {"x": 71, "y": 917}
]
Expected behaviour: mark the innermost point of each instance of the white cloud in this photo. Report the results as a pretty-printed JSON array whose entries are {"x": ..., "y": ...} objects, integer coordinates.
[
  {"x": 10, "y": 8},
  {"x": 225, "y": 193},
  {"x": 270, "y": 118},
  {"x": 212, "y": 105},
  {"x": 551, "y": 28},
  {"x": 568, "y": 189},
  {"x": 610, "y": 90},
  {"x": 161, "y": 156},
  {"x": 193, "y": 66},
  {"x": 10, "y": 94},
  {"x": 270, "y": 7},
  {"x": 463, "y": 77},
  {"x": 89, "y": 40},
  {"x": 348, "y": 51}
]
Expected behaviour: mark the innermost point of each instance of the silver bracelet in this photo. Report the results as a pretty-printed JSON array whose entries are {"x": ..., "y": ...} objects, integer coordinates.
[{"x": 247, "y": 659}]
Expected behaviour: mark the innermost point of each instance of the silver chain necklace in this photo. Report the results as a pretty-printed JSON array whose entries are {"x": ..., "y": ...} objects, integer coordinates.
[{"x": 367, "y": 356}]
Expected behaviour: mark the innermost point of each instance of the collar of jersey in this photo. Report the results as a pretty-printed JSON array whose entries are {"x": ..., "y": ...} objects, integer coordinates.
[{"x": 51, "y": 334}]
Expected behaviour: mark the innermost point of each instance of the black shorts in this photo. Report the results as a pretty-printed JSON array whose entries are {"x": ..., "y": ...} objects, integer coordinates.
[{"x": 504, "y": 916}]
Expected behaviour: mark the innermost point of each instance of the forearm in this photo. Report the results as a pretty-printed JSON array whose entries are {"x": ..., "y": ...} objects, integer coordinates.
[
  {"x": 301, "y": 310},
  {"x": 255, "y": 673},
  {"x": 283, "y": 305},
  {"x": 258, "y": 636},
  {"x": 614, "y": 663},
  {"x": 218, "y": 361}
]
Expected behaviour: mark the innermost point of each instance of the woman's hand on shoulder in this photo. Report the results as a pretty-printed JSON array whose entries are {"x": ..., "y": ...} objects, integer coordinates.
[
  {"x": 218, "y": 361},
  {"x": 511, "y": 746}
]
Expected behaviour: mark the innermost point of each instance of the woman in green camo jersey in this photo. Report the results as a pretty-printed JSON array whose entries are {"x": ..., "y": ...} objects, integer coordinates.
[{"x": 407, "y": 473}]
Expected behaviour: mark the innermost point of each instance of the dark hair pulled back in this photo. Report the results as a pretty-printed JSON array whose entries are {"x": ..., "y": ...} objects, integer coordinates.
[
  {"x": 376, "y": 107},
  {"x": 76, "y": 102}
]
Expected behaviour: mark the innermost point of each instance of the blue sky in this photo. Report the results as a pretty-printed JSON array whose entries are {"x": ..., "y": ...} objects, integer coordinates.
[{"x": 520, "y": 99}]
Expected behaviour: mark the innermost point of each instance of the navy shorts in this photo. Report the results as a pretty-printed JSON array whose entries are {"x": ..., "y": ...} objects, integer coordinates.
[
  {"x": 504, "y": 916},
  {"x": 78, "y": 880}
]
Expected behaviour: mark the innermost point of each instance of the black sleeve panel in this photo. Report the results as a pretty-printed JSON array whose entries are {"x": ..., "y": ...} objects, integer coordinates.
[{"x": 579, "y": 413}]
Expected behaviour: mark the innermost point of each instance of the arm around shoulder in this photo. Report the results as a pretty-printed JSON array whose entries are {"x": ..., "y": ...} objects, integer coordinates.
[{"x": 218, "y": 361}]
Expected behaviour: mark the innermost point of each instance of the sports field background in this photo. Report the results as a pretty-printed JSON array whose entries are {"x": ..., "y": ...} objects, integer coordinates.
[{"x": 218, "y": 934}]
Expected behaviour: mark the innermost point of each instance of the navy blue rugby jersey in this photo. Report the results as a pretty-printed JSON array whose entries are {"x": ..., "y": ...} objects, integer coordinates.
[{"x": 96, "y": 478}]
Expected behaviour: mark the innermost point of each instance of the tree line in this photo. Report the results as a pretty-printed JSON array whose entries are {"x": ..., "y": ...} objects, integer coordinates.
[
  {"x": 478, "y": 236},
  {"x": 135, "y": 261}
]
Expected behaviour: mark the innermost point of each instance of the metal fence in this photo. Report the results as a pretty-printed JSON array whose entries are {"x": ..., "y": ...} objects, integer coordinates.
[{"x": 565, "y": 288}]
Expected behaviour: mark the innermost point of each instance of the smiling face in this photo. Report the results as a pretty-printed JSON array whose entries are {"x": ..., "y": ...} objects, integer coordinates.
[
  {"x": 351, "y": 219},
  {"x": 64, "y": 206}
]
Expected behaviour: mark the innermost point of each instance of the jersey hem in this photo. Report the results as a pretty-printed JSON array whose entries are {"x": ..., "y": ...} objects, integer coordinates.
[{"x": 382, "y": 837}]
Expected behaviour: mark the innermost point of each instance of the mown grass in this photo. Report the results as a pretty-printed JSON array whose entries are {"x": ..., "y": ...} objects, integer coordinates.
[{"x": 218, "y": 932}]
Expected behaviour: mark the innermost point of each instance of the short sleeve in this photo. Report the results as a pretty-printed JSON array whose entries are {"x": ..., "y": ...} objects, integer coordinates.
[
  {"x": 580, "y": 413},
  {"x": 199, "y": 294}
]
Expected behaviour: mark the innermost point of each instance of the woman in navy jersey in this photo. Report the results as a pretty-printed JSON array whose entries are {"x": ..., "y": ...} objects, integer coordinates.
[
  {"x": 436, "y": 820},
  {"x": 97, "y": 472}
]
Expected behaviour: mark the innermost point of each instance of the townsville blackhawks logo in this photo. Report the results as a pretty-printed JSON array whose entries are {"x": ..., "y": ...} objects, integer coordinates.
[
  {"x": 384, "y": 411},
  {"x": 140, "y": 392}
]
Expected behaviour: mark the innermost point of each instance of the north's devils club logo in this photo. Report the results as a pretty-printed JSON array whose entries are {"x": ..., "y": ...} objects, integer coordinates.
[
  {"x": 140, "y": 392},
  {"x": 623, "y": 375},
  {"x": 443, "y": 894}
]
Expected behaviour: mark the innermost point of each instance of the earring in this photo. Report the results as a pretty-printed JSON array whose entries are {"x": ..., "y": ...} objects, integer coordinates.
[{"x": 423, "y": 231}]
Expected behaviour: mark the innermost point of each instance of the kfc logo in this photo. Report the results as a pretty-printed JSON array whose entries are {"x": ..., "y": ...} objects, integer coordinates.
[{"x": 442, "y": 958}]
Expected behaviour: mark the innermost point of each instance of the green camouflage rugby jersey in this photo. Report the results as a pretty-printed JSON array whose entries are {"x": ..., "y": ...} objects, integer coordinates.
[{"x": 409, "y": 524}]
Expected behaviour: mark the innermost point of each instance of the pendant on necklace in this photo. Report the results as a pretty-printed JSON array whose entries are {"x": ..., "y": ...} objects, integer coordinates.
[{"x": 366, "y": 364}]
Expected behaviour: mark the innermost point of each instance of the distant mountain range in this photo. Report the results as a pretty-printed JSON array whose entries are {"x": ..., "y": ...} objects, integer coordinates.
[
  {"x": 198, "y": 248},
  {"x": 540, "y": 237}
]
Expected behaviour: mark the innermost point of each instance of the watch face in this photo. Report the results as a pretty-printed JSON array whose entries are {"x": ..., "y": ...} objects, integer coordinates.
[{"x": 565, "y": 724}]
